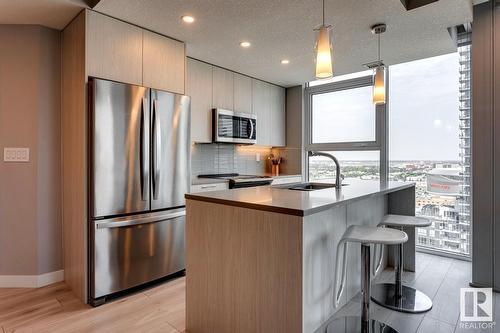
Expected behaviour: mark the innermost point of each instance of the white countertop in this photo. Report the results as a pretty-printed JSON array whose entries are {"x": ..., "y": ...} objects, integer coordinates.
[{"x": 301, "y": 203}]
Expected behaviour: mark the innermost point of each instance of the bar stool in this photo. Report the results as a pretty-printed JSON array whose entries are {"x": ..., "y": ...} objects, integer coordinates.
[
  {"x": 396, "y": 296},
  {"x": 365, "y": 235}
]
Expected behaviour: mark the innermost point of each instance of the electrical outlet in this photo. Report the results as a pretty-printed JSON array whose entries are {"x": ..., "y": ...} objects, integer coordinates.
[{"x": 16, "y": 154}]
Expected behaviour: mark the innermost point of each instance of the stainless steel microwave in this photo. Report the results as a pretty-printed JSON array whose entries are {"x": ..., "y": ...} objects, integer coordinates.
[{"x": 234, "y": 127}]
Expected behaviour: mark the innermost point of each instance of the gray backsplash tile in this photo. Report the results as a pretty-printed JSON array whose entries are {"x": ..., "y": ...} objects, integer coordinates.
[{"x": 228, "y": 158}]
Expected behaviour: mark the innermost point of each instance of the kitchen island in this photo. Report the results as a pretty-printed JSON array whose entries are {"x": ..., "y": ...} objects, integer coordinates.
[{"x": 262, "y": 259}]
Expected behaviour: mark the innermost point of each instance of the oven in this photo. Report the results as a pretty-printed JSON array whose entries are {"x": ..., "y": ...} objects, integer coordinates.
[{"x": 234, "y": 127}]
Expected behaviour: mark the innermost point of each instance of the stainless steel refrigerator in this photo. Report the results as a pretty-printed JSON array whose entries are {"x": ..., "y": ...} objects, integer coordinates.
[{"x": 139, "y": 171}]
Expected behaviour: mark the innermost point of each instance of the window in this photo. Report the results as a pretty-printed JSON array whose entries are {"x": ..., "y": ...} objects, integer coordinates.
[
  {"x": 343, "y": 116},
  {"x": 341, "y": 78},
  {"x": 355, "y": 164},
  {"x": 429, "y": 125},
  {"x": 343, "y": 121}
]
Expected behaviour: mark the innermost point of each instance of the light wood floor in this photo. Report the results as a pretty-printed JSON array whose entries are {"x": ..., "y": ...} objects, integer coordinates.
[
  {"x": 162, "y": 309},
  {"x": 55, "y": 309}
]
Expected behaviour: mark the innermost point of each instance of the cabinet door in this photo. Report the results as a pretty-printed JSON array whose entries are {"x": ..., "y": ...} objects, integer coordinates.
[
  {"x": 199, "y": 87},
  {"x": 222, "y": 89},
  {"x": 278, "y": 119},
  {"x": 261, "y": 96},
  {"x": 163, "y": 63},
  {"x": 242, "y": 93},
  {"x": 114, "y": 49}
]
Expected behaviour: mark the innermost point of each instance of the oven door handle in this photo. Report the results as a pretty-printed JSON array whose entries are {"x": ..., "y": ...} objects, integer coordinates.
[{"x": 120, "y": 222}]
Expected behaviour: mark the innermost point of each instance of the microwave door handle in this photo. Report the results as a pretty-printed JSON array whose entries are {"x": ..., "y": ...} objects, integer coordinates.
[
  {"x": 156, "y": 150},
  {"x": 251, "y": 129},
  {"x": 143, "y": 162}
]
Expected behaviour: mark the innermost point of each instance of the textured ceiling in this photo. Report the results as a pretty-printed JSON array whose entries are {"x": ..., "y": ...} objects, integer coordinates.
[
  {"x": 50, "y": 13},
  {"x": 278, "y": 29},
  {"x": 284, "y": 29}
]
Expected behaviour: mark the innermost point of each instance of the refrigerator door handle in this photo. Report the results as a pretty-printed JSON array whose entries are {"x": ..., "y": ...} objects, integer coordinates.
[
  {"x": 144, "y": 163},
  {"x": 121, "y": 222},
  {"x": 156, "y": 150}
]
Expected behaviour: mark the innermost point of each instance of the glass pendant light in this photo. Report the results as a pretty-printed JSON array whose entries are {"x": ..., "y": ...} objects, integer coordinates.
[
  {"x": 324, "y": 67},
  {"x": 379, "y": 85},
  {"x": 379, "y": 70}
]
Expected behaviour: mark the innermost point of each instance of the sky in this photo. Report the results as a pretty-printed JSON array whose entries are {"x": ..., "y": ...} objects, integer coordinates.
[
  {"x": 423, "y": 118},
  {"x": 423, "y": 112}
]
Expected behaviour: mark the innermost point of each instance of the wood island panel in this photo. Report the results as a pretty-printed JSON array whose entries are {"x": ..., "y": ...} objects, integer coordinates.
[{"x": 243, "y": 270}]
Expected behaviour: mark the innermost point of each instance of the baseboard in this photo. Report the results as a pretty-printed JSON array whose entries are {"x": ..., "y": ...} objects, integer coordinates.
[
  {"x": 480, "y": 285},
  {"x": 31, "y": 281}
]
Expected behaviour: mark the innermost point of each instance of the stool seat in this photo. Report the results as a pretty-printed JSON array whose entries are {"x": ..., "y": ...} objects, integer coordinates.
[
  {"x": 405, "y": 221},
  {"x": 374, "y": 235}
]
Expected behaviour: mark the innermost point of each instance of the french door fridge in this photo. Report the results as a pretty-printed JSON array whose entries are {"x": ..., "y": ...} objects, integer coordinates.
[{"x": 139, "y": 171}]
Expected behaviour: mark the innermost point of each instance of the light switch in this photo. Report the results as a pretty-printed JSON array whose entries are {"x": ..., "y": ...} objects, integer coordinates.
[
  {"x": 16, "y": 154},
  {"x": 257, "y": 157}
]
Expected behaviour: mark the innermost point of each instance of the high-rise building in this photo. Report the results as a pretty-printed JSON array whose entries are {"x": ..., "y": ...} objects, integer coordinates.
[
  {"x": 447, "y": 199},
  {"x": 464, "y": 200}
]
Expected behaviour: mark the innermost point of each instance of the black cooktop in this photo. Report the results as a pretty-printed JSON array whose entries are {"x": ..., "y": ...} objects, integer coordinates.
[
  {"x": 232, "y": 176},
  {"x": 237, "y": 181}
]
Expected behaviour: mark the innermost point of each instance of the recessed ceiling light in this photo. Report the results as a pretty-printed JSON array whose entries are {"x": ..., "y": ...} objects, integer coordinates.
[
  {"x": 285, "y": 61},
  {"x": 245, "y": 44},
  {"x": 187, "y": 19}
]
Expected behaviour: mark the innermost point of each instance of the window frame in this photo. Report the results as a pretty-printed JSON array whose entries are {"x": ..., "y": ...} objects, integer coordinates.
[{"x": 381, "y": 123}]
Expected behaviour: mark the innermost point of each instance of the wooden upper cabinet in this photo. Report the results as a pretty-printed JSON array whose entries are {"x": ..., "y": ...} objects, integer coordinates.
[
  {"x": 114, "y": 49},
  {"x": 242, "y": 93},
  {"x": 199, "y": 87},
  {"x": 261, "y": 107},
  {"x": 163, "y": 63},
  {"x": 278, "y": 117},
  {"x": 268, "y": 103},
  {"x": 222, "y": 95}
]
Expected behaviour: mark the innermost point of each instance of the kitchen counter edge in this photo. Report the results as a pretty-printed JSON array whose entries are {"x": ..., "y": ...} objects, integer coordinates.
[{"x": 206, "y": 197}]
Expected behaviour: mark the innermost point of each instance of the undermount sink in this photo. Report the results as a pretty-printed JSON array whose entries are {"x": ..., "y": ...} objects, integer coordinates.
[{"x": 312, "y": 186}]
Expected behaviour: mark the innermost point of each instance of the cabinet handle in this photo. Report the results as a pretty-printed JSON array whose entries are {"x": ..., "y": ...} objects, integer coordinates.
[{"x": 208, "y": 186}]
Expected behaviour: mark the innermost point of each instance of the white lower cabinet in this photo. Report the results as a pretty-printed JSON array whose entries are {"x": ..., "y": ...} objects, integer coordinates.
[{"x": 209, "y": 187}]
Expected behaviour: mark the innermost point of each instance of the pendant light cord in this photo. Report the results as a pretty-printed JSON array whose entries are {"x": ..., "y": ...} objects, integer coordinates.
[
  {"x": 379, "y": 47},
  {"x": 323, "y": 12}
]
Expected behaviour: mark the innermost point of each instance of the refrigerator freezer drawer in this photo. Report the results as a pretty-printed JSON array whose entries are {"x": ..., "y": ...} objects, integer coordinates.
[{"x": 127, "y": 252}]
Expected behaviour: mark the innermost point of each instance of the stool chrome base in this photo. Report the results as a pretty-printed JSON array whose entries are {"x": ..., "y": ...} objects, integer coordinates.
[
  {"x": 411, "y": 301},
  {"x": 356, "y": 325}
]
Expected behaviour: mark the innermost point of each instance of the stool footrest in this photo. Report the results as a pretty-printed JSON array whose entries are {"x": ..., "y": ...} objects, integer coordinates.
[{"x": 411, "y": 300}]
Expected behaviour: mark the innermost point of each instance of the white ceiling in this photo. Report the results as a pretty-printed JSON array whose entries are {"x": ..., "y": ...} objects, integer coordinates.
[
  {"x": 50, "y": 13},
  {"x": 281, "y": 29},
  {"x": 278, "y": 29}
]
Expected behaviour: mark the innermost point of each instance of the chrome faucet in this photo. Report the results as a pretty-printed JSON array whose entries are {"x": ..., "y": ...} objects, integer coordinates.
[{"x": 338, "y": 176}]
